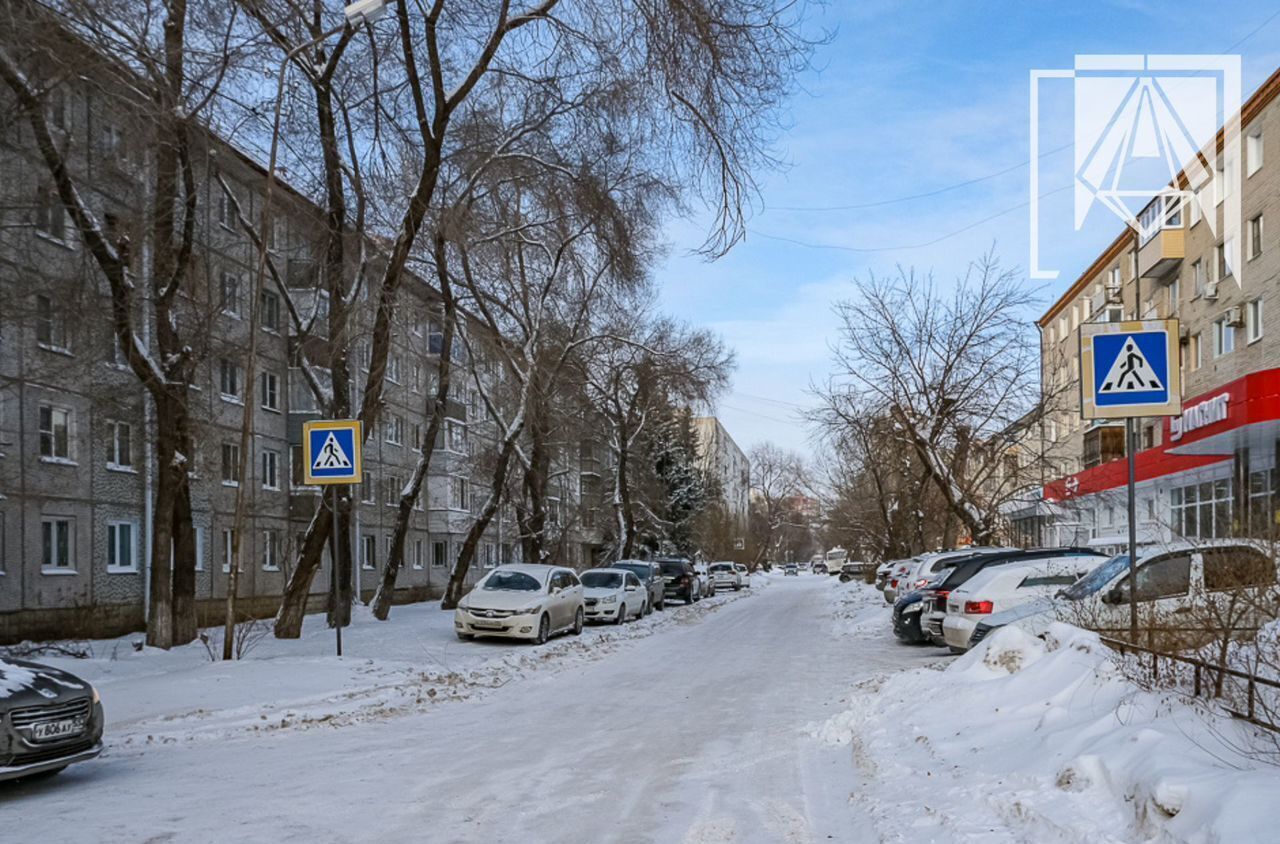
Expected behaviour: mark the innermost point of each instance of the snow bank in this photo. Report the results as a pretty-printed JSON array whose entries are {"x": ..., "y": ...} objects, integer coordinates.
[{"x": 1045, "y": 740}]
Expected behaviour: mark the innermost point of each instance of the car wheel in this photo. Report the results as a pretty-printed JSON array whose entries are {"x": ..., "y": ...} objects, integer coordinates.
[
  {"x": 737, "y": 588},
  {"x": 662, "y": 604},
  {"x": 622, "y": 614},
  {"x": 544, "y": 630},
  {"x": 466, "y": 637},
  {"x": 647, "y": 609},
  {"x": 579, "y": 620}
]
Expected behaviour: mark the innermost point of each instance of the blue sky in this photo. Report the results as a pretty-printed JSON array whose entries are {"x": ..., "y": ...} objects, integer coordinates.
[{"x": 907, "y": 99}]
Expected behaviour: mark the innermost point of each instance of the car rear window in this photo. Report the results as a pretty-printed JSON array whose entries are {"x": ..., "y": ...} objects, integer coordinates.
[
  {"x": 722, "y": 567},
  {"x": 672, "y": 568}
]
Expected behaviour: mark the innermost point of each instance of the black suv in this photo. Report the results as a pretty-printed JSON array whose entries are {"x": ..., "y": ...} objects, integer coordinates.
[
  {"x": 48, "y": 720},
  {"x": 680, "y": 580},
  {"x": 650, "y": 575}
]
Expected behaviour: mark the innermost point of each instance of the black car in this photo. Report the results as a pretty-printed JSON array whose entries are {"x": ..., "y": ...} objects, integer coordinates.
[
  {"x": 650, "y": 575},
  {"x": 680, "y": 580},
  {"x": 49, "y": 719}
]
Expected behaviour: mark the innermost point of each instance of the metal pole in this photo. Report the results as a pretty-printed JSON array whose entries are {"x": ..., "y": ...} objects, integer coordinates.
[
  {"x": 331, "y": 493},
  {"x": 1131, "y": 442}
]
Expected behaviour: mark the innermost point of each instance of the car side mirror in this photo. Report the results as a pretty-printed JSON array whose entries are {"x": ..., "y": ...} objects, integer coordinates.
[
  {"x": 631, "y": 589},
  {"x": 1113, "y": 596}
]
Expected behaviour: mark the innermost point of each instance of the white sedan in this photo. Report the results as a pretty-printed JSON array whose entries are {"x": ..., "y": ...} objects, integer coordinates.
[
  {"x": 522, "y": 602},
  {"x": 614, "y": 595},
  {"x": 726, "y": 576},
  {"x": 1000, "y": 588}
]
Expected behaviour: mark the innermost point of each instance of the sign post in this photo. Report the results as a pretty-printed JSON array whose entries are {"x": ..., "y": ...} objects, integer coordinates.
[
  {"x": 331, "y": 455},
  {"x": 1129, "y": 370}
]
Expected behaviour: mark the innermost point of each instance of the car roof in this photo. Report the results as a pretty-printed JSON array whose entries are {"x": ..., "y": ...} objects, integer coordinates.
[
  {"x": 1200, "y": 545},
  {"x": 539, "y": 570},
  {"x": 609, "y": 570}
]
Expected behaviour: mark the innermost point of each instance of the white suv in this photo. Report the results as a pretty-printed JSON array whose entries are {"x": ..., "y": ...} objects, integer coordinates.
[
  {"x": 522, "y": 602},
  {"x": 1001, "y": 588},
  {"x": 726, "y": 576}
]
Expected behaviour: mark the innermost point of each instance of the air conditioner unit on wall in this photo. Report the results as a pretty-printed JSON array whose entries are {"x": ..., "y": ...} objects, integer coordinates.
[
  {"x": 1211, "y": 290},
  {"x": 1235, "y": 316}
]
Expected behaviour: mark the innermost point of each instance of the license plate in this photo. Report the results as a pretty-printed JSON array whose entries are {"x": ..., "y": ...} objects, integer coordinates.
[
  {"x": 57, "y": 729},
  {"x": 487, "y": 625}
]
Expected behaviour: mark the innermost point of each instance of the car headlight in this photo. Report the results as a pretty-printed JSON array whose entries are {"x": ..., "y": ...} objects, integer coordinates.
[
  {"x": 96, "y": 698},
  {"x": 534, "y": 610},
  {"x": 611, "y": 599}
]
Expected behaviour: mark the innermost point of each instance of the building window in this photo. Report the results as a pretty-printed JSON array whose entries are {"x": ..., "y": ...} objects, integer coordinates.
[
  {"x": 229, "y": 377},
  {"x": 366, "y": 487},
  {"x": 417, "y": 436},
  {"x": 394, "y": 429},
  {"x": 456, "y": 433},
  {"x": 1202, "y": 511},
  {"x": 51, "y": 325},
  {"x": 270, "y": 389},
  {"x": 1253, "y": 152},
  {"x": 490, "y": 556},
  {"x": 57, "y": 542},
  {"x": 1255, "y": 237},
  {"x": 57, "y": 108},
  {"x": 416, "y": 383},
  {"x": 1253, "y": 320},
  {"x": 270, "y": 469},
  {"x": 1195, "y": 353},
  {"x": 199, "y": 532},
  {"x": 1225, "y": 254},
  {"x": 1197, "y": 214},
  {"x": 1224, "y": 337},
  {"x": 119, "y": 445},
  {"x": 230, "y": 464},
  {"x": 369, "y": 553},
  {"x": 458, "y": 493},
  {"x": 393, "y": 485},
  {"x": 226, "y": 209},
  {"x": 439, "y": 552},
  {"x": 230, "y": 302},
  {"x": 271, "y": 550},
  {"x": 122, "y": 547},
  {"x": 55, "y": 433},
  {"x": 1175, "y": 292},
  {"x": 228, "y": 549},
  {"x": 1197, "y": 274},
  {"x": 270, "y": 307},
  {"x": 51, "y": 215},
  {"x": 419, "y": 554},
  {"x": 1262, "y": 502},
  {"x": 393, "y": 368}
]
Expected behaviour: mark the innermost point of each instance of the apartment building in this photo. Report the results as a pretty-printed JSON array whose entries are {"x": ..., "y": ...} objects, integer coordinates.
[
  {"x": 722, "y": 459},
  {"x": 1212, "y": 471},
  {"x": 76, "y": 473}
]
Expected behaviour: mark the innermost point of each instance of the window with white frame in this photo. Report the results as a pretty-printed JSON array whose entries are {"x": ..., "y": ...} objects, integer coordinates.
[
  {"x": 270, "y": 310},
  {"x": 119, "y": 445},
  {"x": 394, "y": 428},
  {"x": 269, "y": 387},
  {"x": 369, "y": 552},
  {"x": 1253, "y": 152},
  {"x": 122, "y": 547},
  {"x": 229, "y": 377},
  {"x": 271, "y": 550},
  {"x": 1225, "y": 255},
  {"x": 228, "y": 549},
  {"x": 1224, "y": 337},
  {"x": 57, "y": 544},
  {"x": 1253, "y": 320},
  {"x": 199, "y": 532},
  {"x": 230, "y": 301},
  {"x": 439, "y": 554},
  {"x": 417, "y": 436},
  {"x": 1197, "y": 213},
  {"x": 1196, "y": 355},
  {"x": 457, "y": 435},
  {"x": 1226, "y": 178},
  {"x": 419, "y": 554},
  {"x": 51, "y": 326},
  {"x": 458, "y": 493},
  {"x": 416, "y": 383},
  {"x": 230, "y": 464},
  {"x": 1201, "y": 511},
  {"x": 1254, "y": 237},
  {"x": 55, "y": 433},
  {"x": 226, "y": 209},
  {"x": 393, "y": 368},
  {"x": 270, "y": 469},
  {"x": 393, "y": 484},
  {"x": 1199, "y": 280}
]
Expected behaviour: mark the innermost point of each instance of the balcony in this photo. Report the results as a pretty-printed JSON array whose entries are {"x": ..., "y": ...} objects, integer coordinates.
[
  {"x": 1162, "y": 239},
  {"x": 1102, "y": 444}
]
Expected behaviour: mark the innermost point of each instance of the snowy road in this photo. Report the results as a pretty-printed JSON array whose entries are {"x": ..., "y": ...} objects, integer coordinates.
[{"x": 696, "y": 733}]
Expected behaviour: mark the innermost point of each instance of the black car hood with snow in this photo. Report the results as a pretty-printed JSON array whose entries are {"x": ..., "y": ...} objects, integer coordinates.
[{"x": 25, "y": 683}]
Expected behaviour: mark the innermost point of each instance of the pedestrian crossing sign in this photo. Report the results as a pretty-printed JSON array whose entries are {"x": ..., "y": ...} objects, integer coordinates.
[
  {"x": 1130, "y": 369},
  {"x": 331, "y": 451}
]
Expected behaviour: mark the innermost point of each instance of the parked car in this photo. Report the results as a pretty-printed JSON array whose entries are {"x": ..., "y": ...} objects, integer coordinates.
[
  {"x": 680, "y": 580},
  {"x": 882, "y": 573},
  {"x": 613, "y": 595},
  {"x": 1172, "y": 578},
  {"x": 819, "y": 568},
  {"x": 651, "y": 576},
  {"x": 790, "y": 569},
  {"x": 915, "y": 573},
  {"x": 936, "y": 607},
  {"x": 726, "y": 576},
  {"x": 745, "y": 573},
  {"x": 523, "y": 601},
  {"x": 49, "y": 719},
  {"x": 706, "y": 583},
  {"x": 907, "y": 613},
  {"x": 1005, "y": 587}
]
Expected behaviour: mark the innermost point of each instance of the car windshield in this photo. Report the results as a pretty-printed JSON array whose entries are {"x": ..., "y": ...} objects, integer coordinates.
[
  {"x": 602, "y": 580},
  {"x": 672, "y": 568},
  {"x": 511, "y": 581},
  {"x": 641, "y": 571},
  {"x": 1096, "y": 579}
]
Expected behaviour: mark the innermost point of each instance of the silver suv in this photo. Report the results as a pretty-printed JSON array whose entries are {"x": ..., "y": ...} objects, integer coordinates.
[{"x": 48, "y": 720}]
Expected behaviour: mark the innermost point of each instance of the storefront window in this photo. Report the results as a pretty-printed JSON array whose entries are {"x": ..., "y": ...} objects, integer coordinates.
[
  {"x": 1262, "y": 503},
  {"x": 1202, "y": 511}
]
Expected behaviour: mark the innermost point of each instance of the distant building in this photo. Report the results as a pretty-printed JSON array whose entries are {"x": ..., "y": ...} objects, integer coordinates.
[{"x": 721, "y": 459}]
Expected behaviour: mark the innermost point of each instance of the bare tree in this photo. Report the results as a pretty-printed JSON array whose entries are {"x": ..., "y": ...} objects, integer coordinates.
[
  {"x": 953, "y": 370},
  {"x": 778, "y": 478}
]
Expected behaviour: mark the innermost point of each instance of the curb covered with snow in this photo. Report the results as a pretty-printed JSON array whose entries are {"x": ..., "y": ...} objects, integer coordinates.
[{"x": 1024, "y": 739}]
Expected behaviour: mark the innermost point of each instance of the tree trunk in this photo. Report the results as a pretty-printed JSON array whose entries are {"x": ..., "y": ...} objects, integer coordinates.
[
  {"x": 293, "y": 605},
  {"x": 623, "y": 510},
  {"x": 458, "y": 577},
  {"x": 185, "y": 627}
]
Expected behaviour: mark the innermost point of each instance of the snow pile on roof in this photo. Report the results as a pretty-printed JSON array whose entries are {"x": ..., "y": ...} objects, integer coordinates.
[
  {"x": 14, "y": 678},
  {"x": 1023, "y": 739}
]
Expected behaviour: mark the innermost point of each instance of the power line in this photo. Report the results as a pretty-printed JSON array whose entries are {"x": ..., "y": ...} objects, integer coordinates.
[
  {"x": 761, "y": 415},
  {"x": 770, "y": 400}
]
